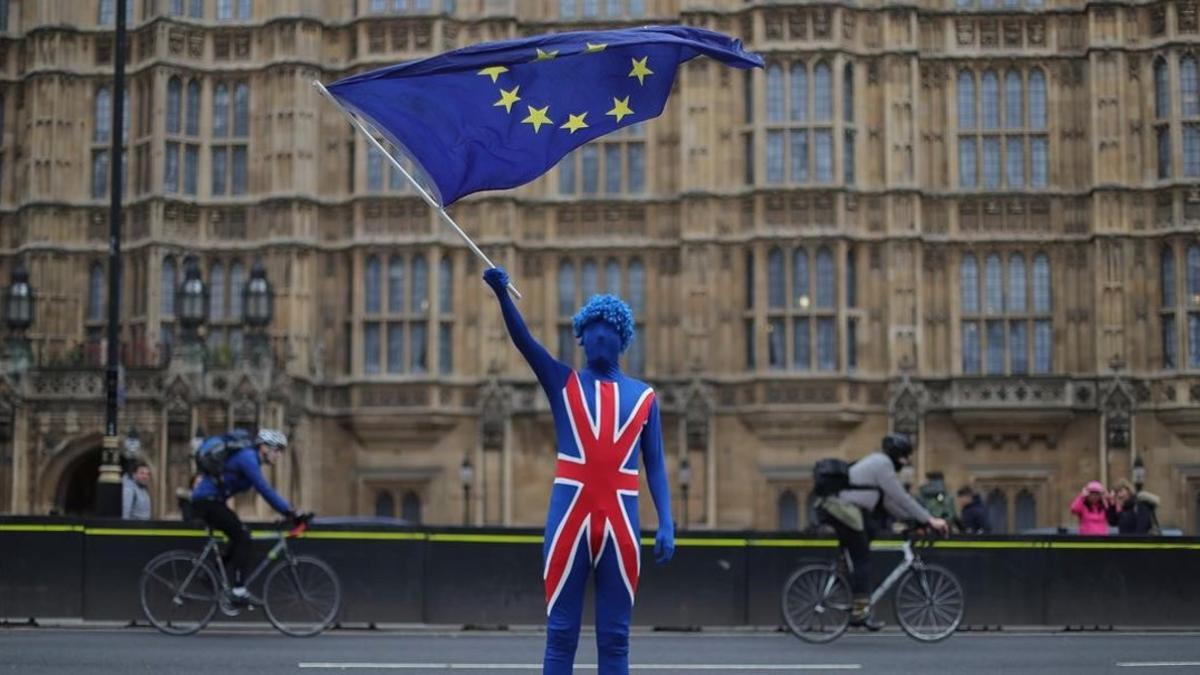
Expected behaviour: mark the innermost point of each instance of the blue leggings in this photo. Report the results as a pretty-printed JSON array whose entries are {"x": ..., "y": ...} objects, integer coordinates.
[{"x": 613, "y": 609}]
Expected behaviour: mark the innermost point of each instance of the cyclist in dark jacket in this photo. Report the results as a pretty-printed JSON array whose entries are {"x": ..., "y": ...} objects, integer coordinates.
[{"x": 242, "y": 472}]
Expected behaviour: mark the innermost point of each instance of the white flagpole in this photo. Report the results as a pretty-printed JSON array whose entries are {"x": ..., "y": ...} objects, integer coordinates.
[{"x": 354, "y": 119}]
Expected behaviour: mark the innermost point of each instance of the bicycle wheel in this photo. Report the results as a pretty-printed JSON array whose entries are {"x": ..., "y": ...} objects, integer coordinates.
[
  {"x": 929, "y": 603},
  {"x": 816, "y": 604},
  {"x": 179, "y": 594},
  {"x": 302, "y": 596}
]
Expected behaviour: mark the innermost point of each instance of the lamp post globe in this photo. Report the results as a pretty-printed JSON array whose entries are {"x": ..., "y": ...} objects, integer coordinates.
[
  {"x": 19, "y": 300},
  {"x": 191, "y": 298},
  {"x": 258, "y": 301}
]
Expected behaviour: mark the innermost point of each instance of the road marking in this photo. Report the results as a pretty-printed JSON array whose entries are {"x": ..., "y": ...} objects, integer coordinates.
[
  {"x": 588, "y": 666},
  {"x": 1159, "y": 664}
]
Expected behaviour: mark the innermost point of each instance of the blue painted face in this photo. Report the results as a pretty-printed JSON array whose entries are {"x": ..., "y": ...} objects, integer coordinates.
[{"x": 601, "y": 343}]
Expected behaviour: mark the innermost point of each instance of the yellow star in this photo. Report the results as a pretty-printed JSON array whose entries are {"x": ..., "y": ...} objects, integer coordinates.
[
  {"x": 640, "y": 71},
  {"x": 620, "y": 108},
  {"x": 537, "y": 117},
  {"x": 575, "y": 122},
  {"x": 507, "y": 99},
  {"x": 592, "y": 49},
  {"x": 546, "y": 56},
  {"x": 493, "y": 71}
]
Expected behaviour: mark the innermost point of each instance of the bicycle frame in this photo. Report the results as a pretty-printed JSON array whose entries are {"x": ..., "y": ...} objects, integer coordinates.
[
  {"x": 910, "y": 559},
  {"x": 212, "y": 548}
]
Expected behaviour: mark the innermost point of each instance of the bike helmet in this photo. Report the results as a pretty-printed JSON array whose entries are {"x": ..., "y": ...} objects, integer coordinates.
[
  {"x": 272, "y": 438},
  {"x": 896, "y": 446}
]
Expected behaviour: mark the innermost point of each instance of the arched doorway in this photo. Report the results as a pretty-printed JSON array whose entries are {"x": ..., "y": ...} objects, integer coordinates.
[{"x": 76, "y": 495}]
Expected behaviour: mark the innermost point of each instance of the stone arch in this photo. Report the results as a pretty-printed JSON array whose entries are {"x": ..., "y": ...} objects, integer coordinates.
[{"x": 65, "y": 459}]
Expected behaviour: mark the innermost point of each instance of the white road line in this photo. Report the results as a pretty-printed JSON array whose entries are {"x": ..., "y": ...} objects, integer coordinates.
[
  {"x": 587, "y": 666},
  {"x": 1159, "y": 664}
]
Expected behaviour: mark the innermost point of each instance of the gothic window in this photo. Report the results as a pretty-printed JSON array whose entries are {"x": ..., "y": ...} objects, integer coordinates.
[
  {"x": 174, "y": 104},
  {"x": 997, "y": 507},
  {"x": 237, "y": 283},
  {"x": 1000, "y": 326},
  {"x": 216, "y": 296},
  {"x": 232, "y": 122},
  {"x": 566, "y": 311},
  {"x": 95, "y": 296},
  {"x": 101, "y": 130},
  {"x": 167, "y": 288},
  {"x": 612, "y": 277},
  {"x": 106, "y": 12},
  {"x": 636, "y": 359},
  {"x": 396, "y": 332},
  {"x": 789, "y": 511},
  {"x": 1013, "y": 150},
  {"x": 1162, "y": 114},
  {"x": 1026, "y": 507},
  {"x": 775, "y": 93},
  {"x": 410, "y": 508},
  {"x": 618, "y": 159},
  {"x": 374, "y": 168},
  {"x": 590, "y": 162},
  {"x": 446, "y": 315},
  {"x": 385, "y": 506},
  {"x": 1193, "y": 305},
  {"x": 1189, "y": 104},
  {"x": 802, "y": 331},
  {"x": 196, "y": 9},
  {"x": 800, "y": 127},
  {"x": 371, "y": 285}
]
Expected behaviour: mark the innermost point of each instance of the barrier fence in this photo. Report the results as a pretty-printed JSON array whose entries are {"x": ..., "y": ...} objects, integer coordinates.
[{"x": 89, "y": 569}]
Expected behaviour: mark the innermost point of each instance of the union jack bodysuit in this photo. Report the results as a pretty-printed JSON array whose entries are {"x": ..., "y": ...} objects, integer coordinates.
[{"x": 602, "y": 419}]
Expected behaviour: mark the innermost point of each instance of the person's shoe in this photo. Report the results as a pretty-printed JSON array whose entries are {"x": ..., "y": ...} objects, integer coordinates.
[
  {"x": 227, "y": 605},
  {"x": 862, "y": 617},
  {"x": 241, "y": 597}
]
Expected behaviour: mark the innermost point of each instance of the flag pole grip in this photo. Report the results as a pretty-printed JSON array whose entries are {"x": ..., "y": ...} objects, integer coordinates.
[{"x": 358, "y": 123}]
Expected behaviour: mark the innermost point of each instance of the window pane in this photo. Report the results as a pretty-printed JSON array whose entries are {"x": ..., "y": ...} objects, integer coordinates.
[
  {"x": 193, "y": 108},
  {"x": 220, "y": 165},
  {"x": 1016, "y": 283},
  {"x": 419, "y": 301},
  {"x": 1014, "y": 103},
  {"x": 1191, "y": 150},
  {"x": 171, "y": 168},
  {"x": 239, "y": 170},
  {"x": 966, "y": 100},
  {"x": 636, "y": 360},
  {"x": 590, "y": 158},
  {"x": 566, "y": 289},
  {"x": 995, "y": 347},
  {"x": 96, "y": 292},
  {"x": 1162, "y": 137},
  {"x": 799, "y": 156},
  {"x": 775, "y": 93},
  {"x": 775, "y": 290},
  {"x": 851, "y": 277},
  {"x": 566, "y": 345},
  {"x": 997, "y": 506},
  {"x": 748, "y": 96},
  {"x": 1189, "y": 87},
  {"x": 826, "y": 280},
  {"x": 220, "y": 123},
  {"x": 590, "y": 8},
  {"x": 224, "y": 9},
  {"x": 1169, "y": 345},
  {"x": 417, "y": 358},
  {"x": 410, "y": 508},
  {"x": 801, "y": 347},
  {"x": 848, "y": 92},
  {"x": 774, "y": 156},
  {"x": 826, "y": 344},
  {"x": 1041, "y": 283},
  {"x": 801, "y": 298},
  {"x": 371, "y": 348},
  {"x": 1018, "y": 348},
  {"x": 750, "y": 279},
  {"x": 637, "y": 287},
  {"x": 1037, "y": 99},
  {"x": 196, "y": 9},
  {"x": 1039, "y": 160},
  {"x": 788, "y": 511},
  {"x": 991, "y": 162},
  {"x": 990, "y": 100},
  {"x": 1194, "y": 340},
  {"x": 244, "y": 10},
  {"x": 637, "y": 8},
  {"x": 396, "y": 285},
  {"x": 748, "y": 158},
  {"x": 966, "y": 162},
  {"x": 637, "y": 167},
  {"x": 237, "y": 283},
  {"x": 1026, "y": 507},
  {"x": 445, "y": 286},
  {"x": 612, "y": 277},
  {"x": 775, "y": 342},
  {"x": 852, "y": 344},
  {"x": 167, "y": 288},
  {"x": 749, "y": 338},
  {"x": 174, "y": 105},
  {"x": 1042, "y": 346},
  {"x": 823, "y": 94},
  {"x": 374, "y": 168},
  {"x": 191, "y": 169},
  {"x": 970, "y": 347},
  {"x": 1014, "y": 156},
  {"x": 106, "y": 12},
  {"x": 1193, "y": 275},
  {"x": 371, "y": 286},
  {"x": 1167, "y": 258},
  {"x": 566, "y": 175},
  {"x": 216, "y": 295},
  {"x": 385, "y": 506},
  {"x": 848, "y": 158},
  {"x": 993, "y": 289},
  {"x": 100, "y": 181},
  {"x": 612, "y": 169},
  {"x": 446, "y": 348},
  {"x": 103, "y": 114},
  {"x": 799, "y": 91},
  {"x": 969, "y": 285},
  {"x": 824, "y": 149},
  {"x": 1162, "y": 90}
]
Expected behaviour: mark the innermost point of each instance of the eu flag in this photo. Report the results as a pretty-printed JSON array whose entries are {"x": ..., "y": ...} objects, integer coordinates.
[{"x": 500, "y": 114}]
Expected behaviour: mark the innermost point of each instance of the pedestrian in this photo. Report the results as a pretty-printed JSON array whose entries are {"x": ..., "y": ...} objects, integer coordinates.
[
  {"x": 934, "y": 496},
  {"x": 1131, "y": 511},
  {"x": 973, "y": 515},
  {"x": 1091, "y": 508},
  {"x": 135, "y": 492}
]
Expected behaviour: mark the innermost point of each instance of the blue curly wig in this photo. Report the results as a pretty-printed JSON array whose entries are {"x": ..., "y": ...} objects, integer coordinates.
[{"x": 608, "y": 308}]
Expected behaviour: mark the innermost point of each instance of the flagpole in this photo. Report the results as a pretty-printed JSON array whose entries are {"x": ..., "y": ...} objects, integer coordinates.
[{"x": 358, "y": 123}]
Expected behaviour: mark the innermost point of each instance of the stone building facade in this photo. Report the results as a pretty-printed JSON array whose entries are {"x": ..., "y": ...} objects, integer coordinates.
[{"x": 972, "y": 220}]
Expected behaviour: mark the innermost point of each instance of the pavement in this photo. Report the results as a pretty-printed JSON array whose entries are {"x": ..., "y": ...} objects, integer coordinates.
[{"x": 231, "y": 650}]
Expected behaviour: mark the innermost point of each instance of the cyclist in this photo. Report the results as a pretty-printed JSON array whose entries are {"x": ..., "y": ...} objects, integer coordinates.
[
  {"x": 853, "y": 513},
  {"x": 242, "y": 471}
]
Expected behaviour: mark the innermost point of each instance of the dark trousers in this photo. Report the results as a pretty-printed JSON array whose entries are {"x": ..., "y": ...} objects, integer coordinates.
[
  {"x": 857, "y": 543},
  {"x": 220, "y": 517}
]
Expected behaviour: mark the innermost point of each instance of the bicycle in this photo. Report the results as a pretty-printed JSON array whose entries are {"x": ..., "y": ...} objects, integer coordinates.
[
  {"x": 181, "y": 590},
  {"x": 929, "y": 602}
]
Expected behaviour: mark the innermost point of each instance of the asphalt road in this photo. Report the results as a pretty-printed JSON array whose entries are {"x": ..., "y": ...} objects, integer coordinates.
[{"x": 231, "y": 651}]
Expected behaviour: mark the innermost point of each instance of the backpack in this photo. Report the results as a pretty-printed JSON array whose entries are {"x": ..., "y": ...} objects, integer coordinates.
[
  {"x": 210, "y": 455},
  {"x": 830, "y": 476}
]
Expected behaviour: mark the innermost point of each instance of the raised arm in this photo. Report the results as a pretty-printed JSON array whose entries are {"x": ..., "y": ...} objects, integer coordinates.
[
  {"x": 660, "y": 487},
  {"x": 549, "y": 371}
]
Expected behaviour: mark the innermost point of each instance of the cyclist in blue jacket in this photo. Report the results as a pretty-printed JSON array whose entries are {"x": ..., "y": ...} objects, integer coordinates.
[{"x": 242, "y": 471}]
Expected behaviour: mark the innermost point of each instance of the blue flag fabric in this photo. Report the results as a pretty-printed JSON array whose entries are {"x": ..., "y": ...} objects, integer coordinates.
[{"x": 500, "y": 114}]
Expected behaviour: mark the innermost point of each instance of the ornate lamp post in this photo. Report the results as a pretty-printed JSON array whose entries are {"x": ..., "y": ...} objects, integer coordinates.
[
  {"x": 1139, "y": 473},
  {"x": 191, "y": 303},
  {"x": 258, "y": 308},
  {"x": 18, "y": 316},
  {"x": 685, "y": 482},
  {"x": 466, "y": 474}
]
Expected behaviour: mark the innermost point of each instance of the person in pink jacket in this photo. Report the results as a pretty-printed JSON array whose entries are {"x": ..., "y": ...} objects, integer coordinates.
[{"x": 1091, "y": 507}]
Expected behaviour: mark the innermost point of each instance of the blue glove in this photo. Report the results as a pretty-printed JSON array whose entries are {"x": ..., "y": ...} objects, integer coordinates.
[
  {"x": 497, "y": 278},
  {"x": 664, "y": 544}
]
